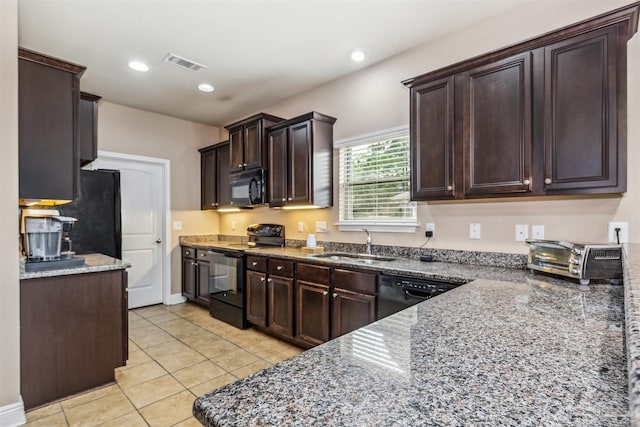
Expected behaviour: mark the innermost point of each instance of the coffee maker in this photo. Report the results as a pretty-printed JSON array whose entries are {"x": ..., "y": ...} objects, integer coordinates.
[{"x": 45, "y": 240}]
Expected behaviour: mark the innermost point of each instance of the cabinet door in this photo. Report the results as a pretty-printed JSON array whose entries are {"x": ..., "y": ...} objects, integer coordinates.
[
  {"x": 222, "y": 176},
  {"x": 203, "y": 294},
  {"x": 47, "y": 112},
  {"x": 278, "y": 166},
  {"x": 432, "y": 141},
  {"x": 300, "y": 175},
  {"x": 257, "y": 298},
  {"x": 253, "y": 145},
  {"x": 312, "y": 312},
  {"x": 351, "y": 311},
  {"x": 497, "y": 130},
  {"x": 236, "y": 149},
  {"x": 189, "y": 278},
  {"x": 281, "y": 305},
  {"x": 582, "y": 79},
  {"x": 208, "y": 178}
]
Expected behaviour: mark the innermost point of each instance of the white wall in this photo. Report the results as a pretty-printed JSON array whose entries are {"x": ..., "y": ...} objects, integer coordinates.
[
  {"x": 374, "y": 99},
  {"x": 9, "y": 266},
  {"x": 131, "y": 131}
]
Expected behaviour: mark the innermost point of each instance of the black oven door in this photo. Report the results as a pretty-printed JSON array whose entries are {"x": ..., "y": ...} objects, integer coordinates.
[{"x": 226, "y": 280}]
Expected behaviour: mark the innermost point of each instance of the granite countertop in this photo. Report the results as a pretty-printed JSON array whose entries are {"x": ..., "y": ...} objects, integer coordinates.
[
  {"x": 632, "y": 327},
  {"x": 92, "y": 263},
  {"x": 508, "y": 348}
]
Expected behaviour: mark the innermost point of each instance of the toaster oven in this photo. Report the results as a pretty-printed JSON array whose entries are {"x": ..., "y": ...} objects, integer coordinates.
[{"x": 584, "y": 262}]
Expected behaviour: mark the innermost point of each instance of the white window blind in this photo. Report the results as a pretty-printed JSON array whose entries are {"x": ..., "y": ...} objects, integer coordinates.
[{"x": 374, "y": 180}]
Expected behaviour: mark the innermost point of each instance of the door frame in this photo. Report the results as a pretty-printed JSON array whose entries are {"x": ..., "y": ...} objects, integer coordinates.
[{"x": 166, "y": 214}]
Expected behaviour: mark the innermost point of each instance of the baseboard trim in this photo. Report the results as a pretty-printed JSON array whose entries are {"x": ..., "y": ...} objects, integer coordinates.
[
  {"x": 12, "y": 415},
  {"x": 176, "y": 299}
]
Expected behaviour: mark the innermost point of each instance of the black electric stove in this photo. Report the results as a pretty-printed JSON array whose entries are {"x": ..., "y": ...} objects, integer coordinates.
[{"x": 227, "y": 272}]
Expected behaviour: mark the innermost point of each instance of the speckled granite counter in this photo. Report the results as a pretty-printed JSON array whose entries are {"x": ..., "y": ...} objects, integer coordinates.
[
  {"x": 92, "y": 264},
  {"x": 487, "y": 353},
  {"x": 632, "y": 326}
]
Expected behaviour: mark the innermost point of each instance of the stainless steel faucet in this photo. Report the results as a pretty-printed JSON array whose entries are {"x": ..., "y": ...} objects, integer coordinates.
[{"x": 368, "y": 241}]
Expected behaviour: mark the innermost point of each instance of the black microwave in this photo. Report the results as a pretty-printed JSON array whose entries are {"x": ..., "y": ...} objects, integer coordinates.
[{"x": 247, "y": 187}]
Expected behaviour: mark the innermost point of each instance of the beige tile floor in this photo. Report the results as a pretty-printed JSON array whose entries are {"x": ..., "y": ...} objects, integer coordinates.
[{"x": 176, "y": 353}]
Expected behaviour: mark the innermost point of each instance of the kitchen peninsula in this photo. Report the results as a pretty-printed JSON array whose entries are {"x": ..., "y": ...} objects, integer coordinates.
[
  {"x": 523, "y": 349},
  {"x": 73, "y": 328}
]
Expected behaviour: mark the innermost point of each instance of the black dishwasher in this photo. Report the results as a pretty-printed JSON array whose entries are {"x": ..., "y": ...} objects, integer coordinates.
[{"x": 398, "y": 293}]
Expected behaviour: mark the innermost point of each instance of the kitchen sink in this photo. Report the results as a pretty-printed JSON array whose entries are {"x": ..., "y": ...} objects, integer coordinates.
[{"x": 342, "y": 256}]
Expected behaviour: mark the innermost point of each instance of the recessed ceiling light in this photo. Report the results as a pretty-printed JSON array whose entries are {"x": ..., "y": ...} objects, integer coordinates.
[
  {"x": 205, "y": 87},
  {"x": 138, "y": 66},
  {"x": 358, "y": 55}
]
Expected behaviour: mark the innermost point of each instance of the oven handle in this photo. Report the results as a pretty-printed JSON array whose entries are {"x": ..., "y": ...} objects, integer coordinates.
[{"x": 224, "y": 253}]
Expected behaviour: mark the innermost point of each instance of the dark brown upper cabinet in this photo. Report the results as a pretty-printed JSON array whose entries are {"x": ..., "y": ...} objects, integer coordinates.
[
  {"x": 496, "y": 127},
  {"x": 247, "y": 141},
  {"x": 544, "y": 117},
  {"x": 88, "y": 127},
  {"x": 215, "y": 189},
  {"x": 584, "y": 139},
  {"x": 300, "y": 161},
  {"x": 48, "y": 102},
  {"x": 432, "y": 143}
]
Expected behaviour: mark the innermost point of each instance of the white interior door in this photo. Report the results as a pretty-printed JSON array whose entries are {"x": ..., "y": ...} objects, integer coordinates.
[{"x": 143, "y": 221}]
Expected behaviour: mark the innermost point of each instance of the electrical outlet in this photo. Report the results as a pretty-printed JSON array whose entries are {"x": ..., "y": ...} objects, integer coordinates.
[
  {"x": 522, "y": 232},
  {"x": 300, "y": 226},
  {"x": 321, "y": 226},
  {"x": 537, "y": 231},
  {"x": 474, "y": 231},
  {"x": 233, "y": 225},
  {"x": 430, "y": 226},
  {"x": 624, "y": 232}
]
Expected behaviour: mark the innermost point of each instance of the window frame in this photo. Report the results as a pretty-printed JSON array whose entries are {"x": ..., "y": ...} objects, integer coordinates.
[{"x": 394, "y": 226}]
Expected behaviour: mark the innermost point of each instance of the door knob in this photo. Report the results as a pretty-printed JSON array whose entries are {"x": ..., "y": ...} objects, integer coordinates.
[{"x": 158, "y": 241}]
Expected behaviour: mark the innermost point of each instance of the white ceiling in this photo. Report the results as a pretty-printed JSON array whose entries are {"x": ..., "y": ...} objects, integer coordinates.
[{"x": 258, "y": 52}]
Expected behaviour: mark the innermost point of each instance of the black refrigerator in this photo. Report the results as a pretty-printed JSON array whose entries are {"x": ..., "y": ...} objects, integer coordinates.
[{"x": 97, "y": 208}]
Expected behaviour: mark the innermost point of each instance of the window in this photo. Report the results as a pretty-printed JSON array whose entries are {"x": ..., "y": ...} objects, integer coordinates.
[{"x": 374, "y": 182}]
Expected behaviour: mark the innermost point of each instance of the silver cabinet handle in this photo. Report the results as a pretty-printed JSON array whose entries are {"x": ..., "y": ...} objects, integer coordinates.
[
  {"x": 254, "y": 263},
  {"x": 547, "y": 180},
  {"x": 244, "y": 164},
  {"x": 449, "y": 187},
  {"x": 325, "y": 292},
  {"x": 158, "y": 241},
  {"x": 526, "y": 182},
  {"x": 290, "y": 198},
  {"x": 268, "y": 280},
  {"x": 262, "y": 279},
  {"x": 279, "y": 267},
  {"x": 239, "y": 165},
  {"x": 335, "y": 295},
  {"x": 284, "y": 200}
]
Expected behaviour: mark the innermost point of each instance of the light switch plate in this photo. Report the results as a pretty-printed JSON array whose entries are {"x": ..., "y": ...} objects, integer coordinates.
[
  {"x": 177, "y": 225},
  {"x": 474, "y": 231},
  {"x": 233, "y": 225},
  {"x": 300, "y": 226},
  {"x": 537, "y": 231}
]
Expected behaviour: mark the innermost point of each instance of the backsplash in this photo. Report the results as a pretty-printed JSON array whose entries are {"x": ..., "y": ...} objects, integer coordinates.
[{"x": 489, "y": 259}]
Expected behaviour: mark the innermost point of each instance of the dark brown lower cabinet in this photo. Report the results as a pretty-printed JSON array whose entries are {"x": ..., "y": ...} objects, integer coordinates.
[
  {"x": 312, "y": 314},
  {"x": 351, "y": 311},
  {"x": 281, "y": 305},
  {"x": 203, "y": 283},
  {"x": 73, "y": 333},
  {"x": 257, "y": 298}
]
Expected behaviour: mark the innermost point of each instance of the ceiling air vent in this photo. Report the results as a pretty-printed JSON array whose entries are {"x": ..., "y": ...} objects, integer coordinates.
[{"x": 181, "y": 62}]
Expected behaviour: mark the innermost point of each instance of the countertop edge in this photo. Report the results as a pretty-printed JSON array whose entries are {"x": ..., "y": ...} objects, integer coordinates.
[{"x": 93, "y": 263}]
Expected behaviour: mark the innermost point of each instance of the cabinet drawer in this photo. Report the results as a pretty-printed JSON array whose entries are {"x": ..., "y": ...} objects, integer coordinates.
[
  {"x": 355, "y": 281},
  {"x": 280, "y": 267},
  {"x": 204, "y": 255},
  {"x": 188, "y": 252},
  {"x": 257, "y": 263},
  {"x": 313, "y": 273}
]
